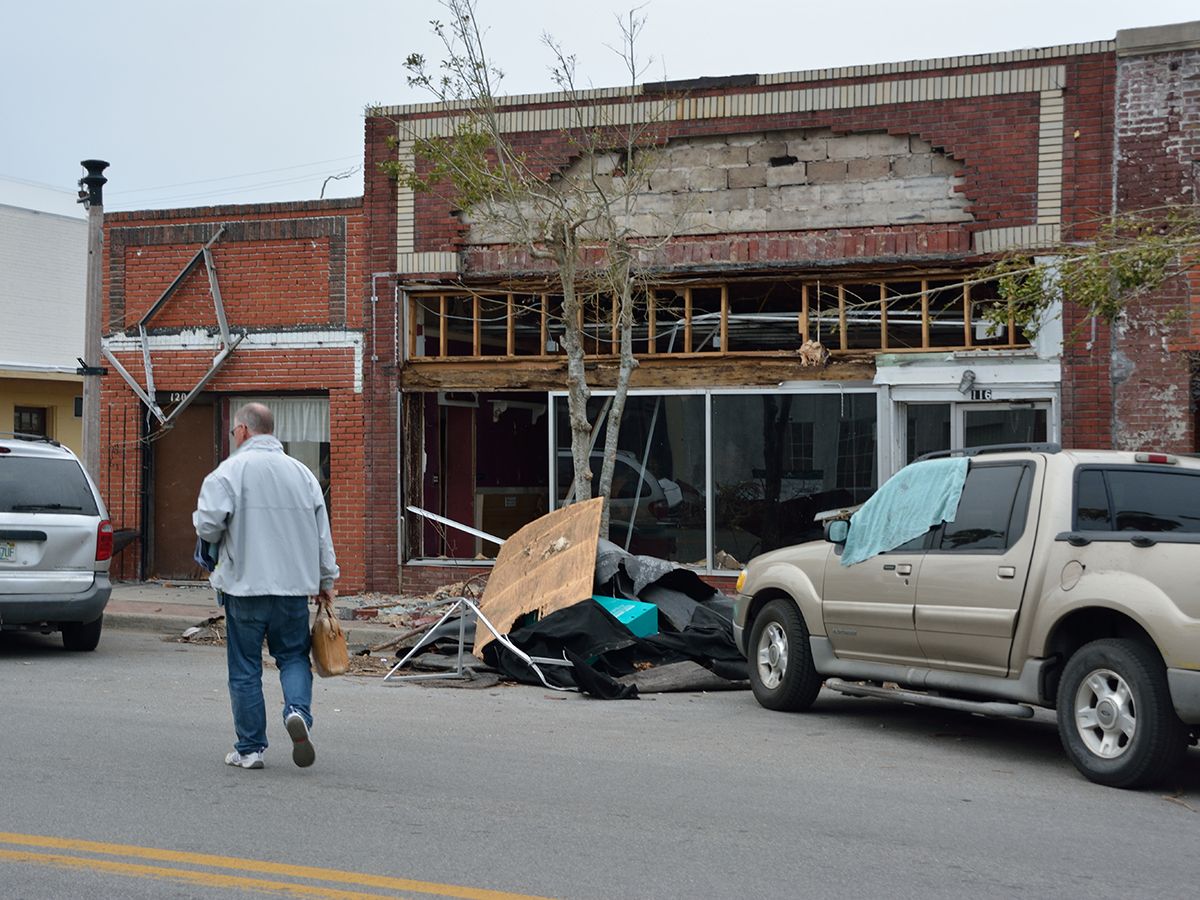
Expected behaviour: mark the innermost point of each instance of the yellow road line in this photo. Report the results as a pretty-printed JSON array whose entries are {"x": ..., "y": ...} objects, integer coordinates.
[
  {"x": 260, "y": 866},
  {"x": 205, "y": 879}
]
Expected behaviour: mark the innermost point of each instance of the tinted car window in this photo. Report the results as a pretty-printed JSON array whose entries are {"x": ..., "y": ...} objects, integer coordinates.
[
  {"x": 1153, "y": 500},
  {"x": 1091, "y": 502},
  {"x": 993, "y": 498},
  {"x": 36, "y": 485}
]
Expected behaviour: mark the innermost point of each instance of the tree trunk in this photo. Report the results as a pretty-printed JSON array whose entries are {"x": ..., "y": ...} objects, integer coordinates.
[
  {"x": 578, "y": 392},
  {"x": 617, "y": 410}
]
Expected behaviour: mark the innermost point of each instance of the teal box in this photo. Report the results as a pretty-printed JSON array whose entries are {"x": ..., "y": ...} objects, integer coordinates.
[{"x": 640, "y": 618}]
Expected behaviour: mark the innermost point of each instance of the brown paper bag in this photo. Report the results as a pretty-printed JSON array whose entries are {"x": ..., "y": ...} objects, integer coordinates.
[{"x": 330, "y": 655}]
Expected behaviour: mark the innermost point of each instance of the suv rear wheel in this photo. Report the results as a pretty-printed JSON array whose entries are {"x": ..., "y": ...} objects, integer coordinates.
[
  {"x": 1115, "y": 716},
  {"x": 82, "y": 636},
  {"x": 782, "y": 674}
]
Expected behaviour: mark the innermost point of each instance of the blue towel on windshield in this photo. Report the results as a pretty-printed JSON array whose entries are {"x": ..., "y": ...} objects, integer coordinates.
[{"x": 911, "y": 502}]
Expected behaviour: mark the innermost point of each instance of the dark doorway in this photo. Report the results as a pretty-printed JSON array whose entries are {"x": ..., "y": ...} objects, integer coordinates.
[{"x": 181, "y": 459}]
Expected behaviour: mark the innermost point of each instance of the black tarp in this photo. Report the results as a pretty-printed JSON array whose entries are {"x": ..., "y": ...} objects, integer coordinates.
[{"x": 695, "y": 624}]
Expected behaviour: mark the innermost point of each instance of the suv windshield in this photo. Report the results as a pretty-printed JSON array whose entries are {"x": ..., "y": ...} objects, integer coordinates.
[{"x": 37, "y": 485}]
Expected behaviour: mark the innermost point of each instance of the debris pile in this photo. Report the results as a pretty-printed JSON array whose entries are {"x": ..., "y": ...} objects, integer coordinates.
[{"x": 594, "y": 617}]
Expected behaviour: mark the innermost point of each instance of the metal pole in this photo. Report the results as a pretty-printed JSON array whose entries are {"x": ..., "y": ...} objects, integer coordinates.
[{"x": 93, "y": 199}]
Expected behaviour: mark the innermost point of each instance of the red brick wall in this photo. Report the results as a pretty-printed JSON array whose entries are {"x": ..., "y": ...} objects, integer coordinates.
[
  {"x": 281, "y": 267},
  {"x": 380, "y": 370},
  {"x": 1158, "y": 145},
  {"x": 996, "y": 138}
]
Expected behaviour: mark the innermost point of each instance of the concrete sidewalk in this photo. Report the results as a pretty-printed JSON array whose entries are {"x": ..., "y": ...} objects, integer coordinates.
[{"x": 172, "y": 607}]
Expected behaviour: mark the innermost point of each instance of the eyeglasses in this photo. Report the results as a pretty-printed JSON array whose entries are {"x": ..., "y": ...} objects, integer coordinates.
[{"x": 233, "y": 430}]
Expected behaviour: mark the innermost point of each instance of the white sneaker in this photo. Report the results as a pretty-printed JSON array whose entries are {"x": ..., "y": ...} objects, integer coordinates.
[
  {"x": 303, "y": 752},
  {"x": 245, "y": 760}
]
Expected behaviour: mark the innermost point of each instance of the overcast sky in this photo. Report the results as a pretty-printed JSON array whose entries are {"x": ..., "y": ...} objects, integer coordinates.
[{"x": 233, "y": 101}]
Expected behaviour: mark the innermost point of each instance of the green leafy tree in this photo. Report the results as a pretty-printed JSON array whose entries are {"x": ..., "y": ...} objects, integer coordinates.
[
  {"x": 576, "y": 219},
  {"x": 1130, "y": 257}
]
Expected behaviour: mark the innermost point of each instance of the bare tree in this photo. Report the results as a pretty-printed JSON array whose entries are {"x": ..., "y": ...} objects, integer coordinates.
[{"x": 577, "y": 219}]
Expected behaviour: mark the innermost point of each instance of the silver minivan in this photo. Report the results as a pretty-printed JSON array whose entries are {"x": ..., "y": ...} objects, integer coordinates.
[{"x": 56, "y": 543}]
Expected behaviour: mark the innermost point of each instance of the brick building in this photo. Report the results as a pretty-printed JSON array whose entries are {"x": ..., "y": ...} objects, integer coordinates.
[
  {"x": 285, "y": 280},
  {"x": 1136, "y": 387},
  {"x": 843, "y": 205}
]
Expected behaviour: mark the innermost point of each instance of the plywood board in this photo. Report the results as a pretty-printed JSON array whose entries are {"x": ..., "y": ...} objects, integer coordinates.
[{"x": 546, "y": 566}]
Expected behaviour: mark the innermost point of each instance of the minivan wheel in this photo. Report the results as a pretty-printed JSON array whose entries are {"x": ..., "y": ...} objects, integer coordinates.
[
  {"x": 782, "y": 674},
  {"x": 1115, "y": 716},
  {"x": 82, "y": 636}
]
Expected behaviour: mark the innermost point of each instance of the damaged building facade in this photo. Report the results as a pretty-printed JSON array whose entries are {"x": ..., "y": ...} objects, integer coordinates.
[
  {"x": 846, "y": 207},
  {"x": 843, "y": 207},
  {"x": 207, "y": 309}
]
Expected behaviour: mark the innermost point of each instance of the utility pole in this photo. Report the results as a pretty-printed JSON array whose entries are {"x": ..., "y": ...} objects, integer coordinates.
[{"x": 91, "y": 188}]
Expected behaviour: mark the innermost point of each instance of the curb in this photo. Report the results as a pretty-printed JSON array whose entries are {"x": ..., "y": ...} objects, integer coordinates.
[{"x": 358, "y": 633}]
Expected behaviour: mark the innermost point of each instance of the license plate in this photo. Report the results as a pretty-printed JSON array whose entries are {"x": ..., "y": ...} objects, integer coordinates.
[{"x": 8, "y": 551}]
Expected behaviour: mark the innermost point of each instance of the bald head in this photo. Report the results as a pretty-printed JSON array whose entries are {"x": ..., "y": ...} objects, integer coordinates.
[{"x": 256, "y": 417}]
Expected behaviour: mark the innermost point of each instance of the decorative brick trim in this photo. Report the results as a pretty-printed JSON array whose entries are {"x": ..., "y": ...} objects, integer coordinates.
[
  {"x": 758, "y": 103},
  {"x": 798, "y": 77},
  {"x": 1050, "y": 159},
  {"x": 267, "y": 341},
  {"x": 1047, "y": 81},
  {"x": 1020, "y": 237},
  {"x": 235, "y": 210}
]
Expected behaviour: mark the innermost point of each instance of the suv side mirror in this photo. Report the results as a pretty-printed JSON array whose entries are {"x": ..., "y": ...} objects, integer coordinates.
[{"x": 836, "y": 531}]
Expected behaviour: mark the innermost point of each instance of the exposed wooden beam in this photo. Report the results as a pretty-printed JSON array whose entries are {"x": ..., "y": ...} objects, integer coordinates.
[
  {"x": 883, "y": 322},
  {"x": 545, "y": 325},
  {"x": 724, "y": 318},
  {"x": 804, "y": 313},
  {"x": 443, "y": 339},
  {"x": 412, "y": 327},
  {"x": 700, "y": 370},
  {"x": 968, "y": 337},
  {"x": 651, "y": 323},
  {"x": 843, "y": 338},
  {"x": 924, "y": 313},
  {"x": 616, "y": 328},
  {"x": 510, "y": 338},
  {"x": 476, "y": 339},
  {"x": 687, "y": 320}
]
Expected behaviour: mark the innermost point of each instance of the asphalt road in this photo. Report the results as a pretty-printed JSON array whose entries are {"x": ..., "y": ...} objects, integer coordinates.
[{"x": 114, "y": 782}]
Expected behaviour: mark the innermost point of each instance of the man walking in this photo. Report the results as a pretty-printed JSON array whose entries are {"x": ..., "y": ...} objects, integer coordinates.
[{"x": 266, "y": 511}]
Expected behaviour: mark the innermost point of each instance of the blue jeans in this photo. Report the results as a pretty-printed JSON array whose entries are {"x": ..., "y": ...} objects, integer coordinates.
[{"x": 283, "y": 621}]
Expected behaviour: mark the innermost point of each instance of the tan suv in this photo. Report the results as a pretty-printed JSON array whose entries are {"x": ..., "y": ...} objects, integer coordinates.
[{"x": 1067, "y": 580}]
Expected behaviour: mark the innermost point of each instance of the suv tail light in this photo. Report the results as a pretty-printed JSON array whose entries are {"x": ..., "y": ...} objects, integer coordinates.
[
  {"x": 1164, "y": 459},
  {"x": 659, "y": 508},
  {"x": 104, "y": 541}
]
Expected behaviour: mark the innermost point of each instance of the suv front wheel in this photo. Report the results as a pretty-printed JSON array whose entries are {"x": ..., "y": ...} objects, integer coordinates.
[
  {"x": 1115, "y": 716},
  {"x": 82, "y": 636},
  {"x": 782, "y": 674}
]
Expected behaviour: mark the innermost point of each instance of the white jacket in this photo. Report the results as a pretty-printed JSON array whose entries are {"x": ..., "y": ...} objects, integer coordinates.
[{"x": 267, "y": 512}]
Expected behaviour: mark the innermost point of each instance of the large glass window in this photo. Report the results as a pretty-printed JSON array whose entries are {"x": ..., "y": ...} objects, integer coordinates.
[
  {"x": 658, "y": 498},
  {"x": 931, "y": 427},
  {"x": 1015, "y": 425},
  {"x": 928, "y": 429},
  {"x": 781, "y": 458},
  {"x": 778, "y": 459}
]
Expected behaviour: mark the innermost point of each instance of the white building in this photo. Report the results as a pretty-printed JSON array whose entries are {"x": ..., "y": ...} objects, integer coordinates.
[{"x": 43, "y": 275}]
